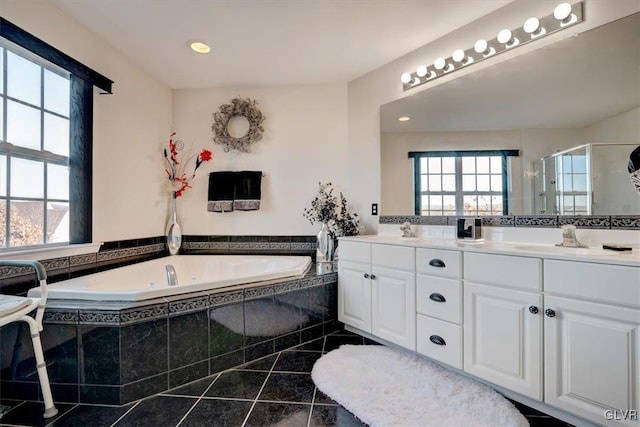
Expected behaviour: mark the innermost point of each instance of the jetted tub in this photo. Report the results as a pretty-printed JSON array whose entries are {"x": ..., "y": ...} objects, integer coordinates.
[{"x": 195, "y": 273}]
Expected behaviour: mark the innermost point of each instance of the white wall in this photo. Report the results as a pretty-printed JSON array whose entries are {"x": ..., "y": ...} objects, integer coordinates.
[
  {"x": 397, "y": 196},
  {"x": 304, "y": 142},
  {"x": 623, "y": 128},
  {"x": 382, "y": 85},
  {"x": 128, "y": 125}
]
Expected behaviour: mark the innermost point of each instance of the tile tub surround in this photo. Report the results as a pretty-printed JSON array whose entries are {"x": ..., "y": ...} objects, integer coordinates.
[
  {"x": 114, "y": 353},
  {"x": 276, "y": 389},
  {"x": 17, "y": 281}
]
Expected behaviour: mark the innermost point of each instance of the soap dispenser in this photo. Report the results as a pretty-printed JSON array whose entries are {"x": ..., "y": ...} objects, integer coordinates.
[{"x": 469, "y": 228}]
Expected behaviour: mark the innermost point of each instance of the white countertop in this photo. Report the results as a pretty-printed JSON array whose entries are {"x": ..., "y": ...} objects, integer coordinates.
[{"x": 547, "y": 251}]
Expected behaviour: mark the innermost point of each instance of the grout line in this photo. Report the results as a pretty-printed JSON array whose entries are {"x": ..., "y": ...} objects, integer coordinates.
[
  {"x": 235, "y": 399},
  {"x": 126, "y": 413},
  {"x": 313, "y": 401},
  {"x": 287, "y": 402},
  {"x": 59, "y": 415},
  {"x": 244, "y": 423},
  {"x": 198, "y": 400},
  {"x": 290, "y": 372}
]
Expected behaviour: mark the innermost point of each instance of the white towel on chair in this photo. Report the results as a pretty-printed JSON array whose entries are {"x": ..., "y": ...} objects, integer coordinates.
[{"x": 10, "y": 304}]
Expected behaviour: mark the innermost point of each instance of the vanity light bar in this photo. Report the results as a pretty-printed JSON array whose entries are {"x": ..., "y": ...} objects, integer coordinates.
[{"x": 564, "y": 15}]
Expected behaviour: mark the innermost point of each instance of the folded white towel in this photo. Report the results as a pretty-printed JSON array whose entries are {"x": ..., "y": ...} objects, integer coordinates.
[{"x": 10, "y": 304}]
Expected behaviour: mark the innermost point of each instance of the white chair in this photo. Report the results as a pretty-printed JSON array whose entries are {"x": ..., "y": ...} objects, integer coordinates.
[{"x": 16, "y": 309}]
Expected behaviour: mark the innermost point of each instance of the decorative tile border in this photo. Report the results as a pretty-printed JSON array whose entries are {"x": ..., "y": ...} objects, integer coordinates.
[
  {"x": 188, "y": 305},
  {"x": 143, "y": 313},
  {"x": 61, "y": 316},
  {"x": 255, "y": 293},
  {"x": 287, "y": 287},
  {"x": 225, "y": 298},
  {"x": 625, "y": 222},
  {"x": 586, "y": 222},
  {"x": 628, "y": 222},
  {"x": 536, "y": 221},
  {"x": 55, "y": 263}
]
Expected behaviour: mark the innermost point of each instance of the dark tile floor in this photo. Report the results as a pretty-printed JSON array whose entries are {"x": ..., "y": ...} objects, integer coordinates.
[{"x": 275, "y": 390}]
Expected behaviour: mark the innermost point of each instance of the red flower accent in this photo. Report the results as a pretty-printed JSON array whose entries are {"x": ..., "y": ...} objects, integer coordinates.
[
  {"x": 175, "y": 169},
  {"x": 205, "y": 155}
]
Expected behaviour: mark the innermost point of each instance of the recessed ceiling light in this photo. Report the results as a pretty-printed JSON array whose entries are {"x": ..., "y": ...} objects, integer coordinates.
[
  {"x": 404, "y": 118},
  {"x": 199, "y": 46}
]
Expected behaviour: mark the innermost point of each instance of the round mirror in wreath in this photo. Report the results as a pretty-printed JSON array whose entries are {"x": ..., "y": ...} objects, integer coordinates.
[{"x": 238, "y": 125}]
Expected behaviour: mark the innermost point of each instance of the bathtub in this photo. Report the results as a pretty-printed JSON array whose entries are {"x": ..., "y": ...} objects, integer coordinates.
[{"x": 147, "y": 280}]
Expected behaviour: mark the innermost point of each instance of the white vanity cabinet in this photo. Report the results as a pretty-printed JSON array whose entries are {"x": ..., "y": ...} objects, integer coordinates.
[
  {"x": 592, "y": 349},
  {"x": 376, "y": 290},
  {"x": 439, "y": 305},
  {"x": 562, "y": 331},
  {"x": 502, "y": 322}
]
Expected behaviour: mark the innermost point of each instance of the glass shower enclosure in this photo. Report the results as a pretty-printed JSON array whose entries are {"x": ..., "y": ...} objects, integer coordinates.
[{"x": 590, "y": 179}]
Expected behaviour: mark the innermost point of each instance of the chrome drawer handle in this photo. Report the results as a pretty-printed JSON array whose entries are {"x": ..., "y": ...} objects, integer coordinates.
[
  {"x": 438, "y": 340},
  {"x": 437, "y": 297},
  {"x": 438, "y": 263}
]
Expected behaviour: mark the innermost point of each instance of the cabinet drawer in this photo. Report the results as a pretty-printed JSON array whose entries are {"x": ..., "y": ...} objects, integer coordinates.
[
  {"x": 440, "y": 340},
  {"x": 600, "y": 282},
  {"x": 439, "y": 262},
  {"x": 439, "y": 298},
  {"x": 506, "y": 270},
  {"x": 355, "y": 251},
  {"x": 396, "y": 257}
]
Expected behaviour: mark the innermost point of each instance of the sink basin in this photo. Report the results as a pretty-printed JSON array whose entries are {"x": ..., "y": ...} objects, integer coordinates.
[{"x": 567, "y": 250}]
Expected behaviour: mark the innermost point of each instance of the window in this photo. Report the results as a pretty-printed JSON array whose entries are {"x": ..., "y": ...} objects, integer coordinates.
[
  {"x": 34, "y": 151},
  {"x": 467, "y": 183},
  {"x": 46, "y": 118},
  {"x": 572, "y": 195}
]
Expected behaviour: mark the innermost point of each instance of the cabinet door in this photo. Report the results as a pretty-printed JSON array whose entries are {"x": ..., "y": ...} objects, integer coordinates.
[
  {"x": 354, "y": 295},
  {"x": 503, "y": 337},
  {"x": 394, "y": 306},
  {"x": 592, "y": 359}
]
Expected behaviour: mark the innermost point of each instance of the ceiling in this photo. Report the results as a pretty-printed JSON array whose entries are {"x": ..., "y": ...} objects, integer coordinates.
[
  {"x": 274, "y": 42},
  {"x": 568, "y": 84}
]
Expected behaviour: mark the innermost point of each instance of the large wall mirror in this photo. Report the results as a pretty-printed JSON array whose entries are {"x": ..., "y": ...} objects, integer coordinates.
[{"x": 571, "y": 110}]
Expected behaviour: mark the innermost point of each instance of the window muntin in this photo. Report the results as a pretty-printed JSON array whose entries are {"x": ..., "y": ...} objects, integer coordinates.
[
  {"x": 461, "y": 183},
  {"x": 34, "y": 151},
  {"x": 572, "y": 193}
]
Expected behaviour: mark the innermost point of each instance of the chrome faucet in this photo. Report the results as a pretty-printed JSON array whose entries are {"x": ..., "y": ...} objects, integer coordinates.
[
  {"x": 569, "y": 239},
  {"x": 172, "y": 277}
]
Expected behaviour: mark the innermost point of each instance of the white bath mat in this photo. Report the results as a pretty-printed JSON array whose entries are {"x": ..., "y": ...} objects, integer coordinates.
[{"x": 387, "y": 387}]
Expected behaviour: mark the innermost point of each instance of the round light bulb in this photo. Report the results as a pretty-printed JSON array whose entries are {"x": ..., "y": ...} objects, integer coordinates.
[
  {"x": 531, "y": 25},
  {"x": 562, "y": 11},
  {"x": 504, "y": 36},
  {"x": 405, "y": 78},
  {"x": 481, "y": 46},
  {"x": 404, "y": 118},
  {"x": 458, "y": 55},
  {"x": 439, "y": 63},
  {"x": 421, "y": 71},
  {"x": 199, "y": 47}
]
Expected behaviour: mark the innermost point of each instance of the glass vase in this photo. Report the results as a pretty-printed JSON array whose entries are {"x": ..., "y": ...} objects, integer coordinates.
[
  {"x": 173, "y": 232},
  {"x": 326, "y": 245}
]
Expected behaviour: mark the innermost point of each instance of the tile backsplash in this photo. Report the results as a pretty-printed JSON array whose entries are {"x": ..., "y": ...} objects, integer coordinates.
[{"x": 615, "y": 222}]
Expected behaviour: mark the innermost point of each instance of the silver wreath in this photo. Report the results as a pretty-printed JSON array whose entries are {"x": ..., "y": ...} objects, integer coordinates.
[{"x": 246, "y": 108}]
